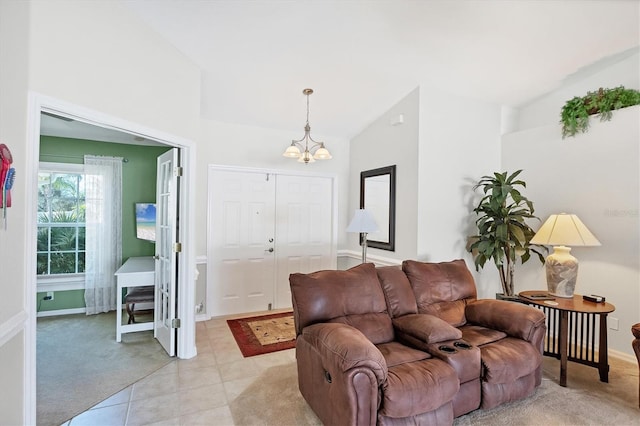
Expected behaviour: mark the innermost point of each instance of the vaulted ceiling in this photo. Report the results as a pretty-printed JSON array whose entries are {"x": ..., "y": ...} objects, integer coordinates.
[{"x": 362, "y": 56}]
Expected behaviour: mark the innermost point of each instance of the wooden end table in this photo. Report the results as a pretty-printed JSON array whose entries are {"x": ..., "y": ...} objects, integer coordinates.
[{"x": 573, "y": 322}]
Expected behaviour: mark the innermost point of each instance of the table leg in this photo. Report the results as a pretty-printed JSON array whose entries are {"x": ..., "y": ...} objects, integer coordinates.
[
  {"x": 118, "y": 313},
  {"x": 603, "y": 355},
  {"x": 564, "y": 346}
]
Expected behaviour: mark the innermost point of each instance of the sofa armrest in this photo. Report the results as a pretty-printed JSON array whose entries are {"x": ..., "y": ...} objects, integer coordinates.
[
  {"x": 345, "y": 348},
  {"x": 513, "y": 318},
  {"x": 425, "y": 328}
]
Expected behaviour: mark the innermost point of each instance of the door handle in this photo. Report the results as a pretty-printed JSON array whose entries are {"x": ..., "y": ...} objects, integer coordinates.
[{"x": 270, "y": 250}]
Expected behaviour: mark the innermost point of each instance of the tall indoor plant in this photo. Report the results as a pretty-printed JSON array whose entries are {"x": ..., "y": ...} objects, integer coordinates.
[{"x": 503, "y": 234}]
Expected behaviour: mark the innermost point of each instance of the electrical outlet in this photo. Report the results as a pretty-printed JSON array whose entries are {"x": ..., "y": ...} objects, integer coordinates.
[
  {"x": 613, "y": 323},
  {"x": 49, "y": 296}
]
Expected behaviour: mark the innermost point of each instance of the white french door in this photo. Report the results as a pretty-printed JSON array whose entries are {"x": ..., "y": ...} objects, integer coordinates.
[
  {"x": 166, "y": 261},
  {"x": 262, "y": 227}
]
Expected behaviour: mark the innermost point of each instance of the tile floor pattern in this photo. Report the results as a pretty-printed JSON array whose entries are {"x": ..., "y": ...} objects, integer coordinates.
[{"x": 197, "y": 391}]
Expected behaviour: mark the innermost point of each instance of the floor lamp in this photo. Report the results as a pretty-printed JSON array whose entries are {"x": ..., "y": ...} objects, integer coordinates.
[{"x": 363, "y": 223}]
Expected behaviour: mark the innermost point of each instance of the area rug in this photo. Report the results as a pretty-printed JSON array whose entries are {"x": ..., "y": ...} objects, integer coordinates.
[{"x": 264, "y": 334}]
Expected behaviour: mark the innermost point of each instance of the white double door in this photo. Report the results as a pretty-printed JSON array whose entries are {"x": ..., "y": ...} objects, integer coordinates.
[{"x": 263, "y": 227}]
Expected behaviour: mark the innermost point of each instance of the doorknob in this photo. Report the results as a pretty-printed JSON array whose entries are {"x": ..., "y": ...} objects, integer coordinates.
[
  {"x": 270, "y": 250},
  {"x": 270, "y": 240}
]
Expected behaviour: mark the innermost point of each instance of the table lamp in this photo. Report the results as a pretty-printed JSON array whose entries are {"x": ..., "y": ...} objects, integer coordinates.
[
  {"x": 363, "y": 222},
  {"x": 560, "y": 231}
]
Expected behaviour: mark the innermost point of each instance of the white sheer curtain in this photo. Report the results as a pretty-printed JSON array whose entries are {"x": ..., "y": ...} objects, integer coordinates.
[{"x": 103, "y": 256}]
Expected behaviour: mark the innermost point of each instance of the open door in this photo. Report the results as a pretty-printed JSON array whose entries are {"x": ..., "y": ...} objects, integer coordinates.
[{"x": 166, "y": 264}]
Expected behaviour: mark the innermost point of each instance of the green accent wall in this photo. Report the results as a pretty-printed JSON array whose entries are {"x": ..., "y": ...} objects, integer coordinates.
[
  {"x": 61, "y": 300},
  {"x": 138, "y": 186}
]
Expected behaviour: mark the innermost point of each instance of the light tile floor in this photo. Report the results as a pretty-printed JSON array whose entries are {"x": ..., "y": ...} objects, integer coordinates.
[{"x": 197, "y": 391}]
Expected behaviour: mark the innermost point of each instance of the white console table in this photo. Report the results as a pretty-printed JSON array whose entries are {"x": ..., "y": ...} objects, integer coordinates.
[{"x": 135, "y": 272}]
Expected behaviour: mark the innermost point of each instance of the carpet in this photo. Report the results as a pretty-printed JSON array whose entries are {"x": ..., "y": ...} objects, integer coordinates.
[
  {"x": 79, "y": 363},
  {"x": 264, "y": 334},
  {"x": 273, "y": 398}
]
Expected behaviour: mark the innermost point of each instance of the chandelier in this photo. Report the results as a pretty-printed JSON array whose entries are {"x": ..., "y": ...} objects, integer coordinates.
[{"x": 306, "y": 150}]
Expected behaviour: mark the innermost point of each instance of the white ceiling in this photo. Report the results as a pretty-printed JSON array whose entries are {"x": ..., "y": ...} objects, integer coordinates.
[
  {"x": 361, "y": 56},
  {"x": 53, "y": 125}
]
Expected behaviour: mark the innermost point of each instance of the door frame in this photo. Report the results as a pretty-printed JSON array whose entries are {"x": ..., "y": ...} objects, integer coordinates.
[
  {"x": 38, "y": 103},
  {"x": 334, "y": 211}
]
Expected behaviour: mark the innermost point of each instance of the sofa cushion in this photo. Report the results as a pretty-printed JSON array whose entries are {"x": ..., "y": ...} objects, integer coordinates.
[
  {"x": 397, "y": 290},
  {"x": 441, "y": 289},
  {"x": 395, "y": 353},
  {"x": 508, "y": 359},
  {"x": 478, "y": 336},
  {"x": 417, "y": 387},
  {"x": 353, "y": 297},
  {"x": 426, "y": 328}
]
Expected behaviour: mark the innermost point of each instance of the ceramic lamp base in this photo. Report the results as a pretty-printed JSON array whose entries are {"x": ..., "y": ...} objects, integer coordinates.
[{"x": 562, "y": 272}]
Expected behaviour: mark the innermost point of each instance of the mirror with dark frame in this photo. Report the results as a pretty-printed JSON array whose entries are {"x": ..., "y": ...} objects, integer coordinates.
[{"x": 378, "y": 196}]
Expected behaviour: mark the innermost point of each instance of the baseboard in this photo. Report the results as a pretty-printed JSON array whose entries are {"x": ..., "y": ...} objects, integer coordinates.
[
  {"x": 57, "y": 312},
  {"x": 202, "y": 317},
  {"x": 612, "y": 353},
  {"x": 623, "y": 356}
]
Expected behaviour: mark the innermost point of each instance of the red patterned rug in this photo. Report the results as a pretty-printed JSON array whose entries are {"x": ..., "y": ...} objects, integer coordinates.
[{"x": 264, "y": 334}]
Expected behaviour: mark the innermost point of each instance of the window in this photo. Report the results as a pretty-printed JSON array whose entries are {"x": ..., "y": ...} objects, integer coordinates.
[{"x": 61, "y": 219}]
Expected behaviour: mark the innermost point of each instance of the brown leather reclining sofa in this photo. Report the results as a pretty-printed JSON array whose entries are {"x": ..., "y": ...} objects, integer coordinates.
[{"x": 410, "y": 345}]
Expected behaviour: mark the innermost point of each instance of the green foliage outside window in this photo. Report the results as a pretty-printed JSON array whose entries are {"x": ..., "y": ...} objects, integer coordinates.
[{"x": 61, "y": 223}]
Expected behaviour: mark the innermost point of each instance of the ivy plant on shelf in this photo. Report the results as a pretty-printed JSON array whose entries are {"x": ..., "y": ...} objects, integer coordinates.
[
  {"x": 575, "y": 113},
  {"x": 503, "y": 234}
]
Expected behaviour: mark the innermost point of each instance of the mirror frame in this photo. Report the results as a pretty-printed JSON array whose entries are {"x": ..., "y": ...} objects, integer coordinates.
[{"x": 391, "y": 171}]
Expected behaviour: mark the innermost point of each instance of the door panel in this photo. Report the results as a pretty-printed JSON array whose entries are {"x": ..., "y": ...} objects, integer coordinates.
[
  {"x": 304, "y": 229},
  {"x": 241, "y": 213},
  {"x": 251, "y": 213},
  {"x": 166, "y": 261}
]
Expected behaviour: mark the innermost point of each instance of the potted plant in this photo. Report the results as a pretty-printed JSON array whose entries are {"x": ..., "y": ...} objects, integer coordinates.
[
  {"x": 503, "y": 234},
  {"x": 575, "y": 113}
]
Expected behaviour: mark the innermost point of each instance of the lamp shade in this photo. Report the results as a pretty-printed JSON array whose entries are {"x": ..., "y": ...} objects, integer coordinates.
[
  {"x": 564, "y": 230},
  {"x": 362, "y": 221},
  {"x": 322, "y": 154},
  {"x": 292, "y": 151}
]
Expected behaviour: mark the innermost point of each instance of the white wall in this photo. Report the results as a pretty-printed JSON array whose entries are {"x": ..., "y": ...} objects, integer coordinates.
[
  {"x": 96, "y": 55},
  {"x": 99, "y": 55},
  {"x": 459, "y": 143},
  {"x": 258, "y": 147},
  {"x": 382, "y": 144},
  {"x": 596, "y": 176},
  {"x": 14, "y": 31},
  {"x": 621, "y": 70}
]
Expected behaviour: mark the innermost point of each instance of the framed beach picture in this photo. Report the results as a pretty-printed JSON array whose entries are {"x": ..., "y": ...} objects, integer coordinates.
[{"x": 146, "y": 221}]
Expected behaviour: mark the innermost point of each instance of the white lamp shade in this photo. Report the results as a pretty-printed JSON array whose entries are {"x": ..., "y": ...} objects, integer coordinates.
[
  {"x": 322, "y": 154},
  {"x": 564, "y": 230},
  {"x": 362, "y": 221},
  {"x": 292, "y": 151},
  {"x": 306, "y": 155}
]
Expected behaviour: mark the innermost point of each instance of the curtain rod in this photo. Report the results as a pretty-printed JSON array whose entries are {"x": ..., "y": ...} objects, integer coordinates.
[{"x": 75, "y": 157}]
